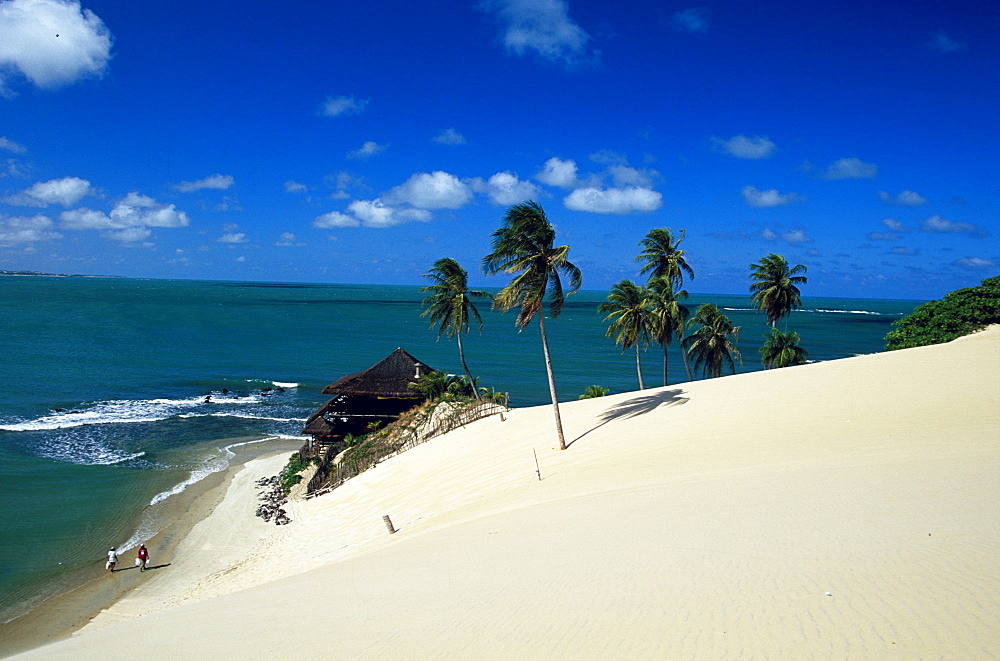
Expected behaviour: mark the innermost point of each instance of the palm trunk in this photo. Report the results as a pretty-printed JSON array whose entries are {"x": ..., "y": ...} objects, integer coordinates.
[
  {"x": 552, "y": 380},
  {"x": 472, "y": 382},
  {"x": 665, "y": 365},
  {"x": 638, "y": 367},
  {"x": 687, "y": 367}
]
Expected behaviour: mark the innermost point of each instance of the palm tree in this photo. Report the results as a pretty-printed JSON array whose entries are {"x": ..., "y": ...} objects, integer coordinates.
[
  {"x": 594, "y": 391},
  {"x": 664, "y": 259},
  {"x": 773, "y": 290},
  {"x": 450, "y": 305},
  {"x": 782, "y": 350},
  {"x": 710, "y": 345},
  {"x": 667, "y": 317},
  {"x": 627, "y": 308},
  {"x": 523, "y": 246}
]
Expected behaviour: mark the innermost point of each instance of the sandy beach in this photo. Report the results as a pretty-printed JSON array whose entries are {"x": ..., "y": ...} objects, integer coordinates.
[{"x": 844, "y": 509}]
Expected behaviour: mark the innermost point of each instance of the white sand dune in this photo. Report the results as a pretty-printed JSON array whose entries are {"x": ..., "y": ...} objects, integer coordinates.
[{"x": 846, "y": 509}]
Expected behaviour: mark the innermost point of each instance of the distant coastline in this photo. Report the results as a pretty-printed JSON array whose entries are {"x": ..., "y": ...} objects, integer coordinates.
[{"x": 57, "y": 275}]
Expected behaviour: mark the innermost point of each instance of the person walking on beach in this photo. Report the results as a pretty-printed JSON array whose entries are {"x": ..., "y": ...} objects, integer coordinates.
[
  {"x": 143, "y": 557},
  {"x": 112, "y": 559}
]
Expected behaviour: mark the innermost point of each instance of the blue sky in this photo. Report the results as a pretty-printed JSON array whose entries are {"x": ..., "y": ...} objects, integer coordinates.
[{"x": 358, "y": 142}]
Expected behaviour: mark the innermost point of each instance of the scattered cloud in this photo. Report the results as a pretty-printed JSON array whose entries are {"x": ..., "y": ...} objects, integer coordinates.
[
  {"x": 895, "y": 229},
  {"x": 449, "y": 137},
  {"x": 975, "y": 263},
  {"x": 768, "y": 235},
  {"x": 851, "y": 168},
  {"x": 559, "y": 173},
  {"x": 295, "y": 187},
  {"x": 623, "y": 175},
  {"x": 434, "y": 190},
  {"x": 618, "y": 201},
  {"x": 335, "y": 219},
  {"x": 906, "y": 198},
  {"x": 768, "y": 198},
  {"x": 286, "y": 239},
  {"x": 895, "y": 225},
  {"x": 66, "y": 192},
  {"x": 22, "y": 229},
  {"x": 337, "y": 106},
  {"x": 691, "y": 20},
  {"x": 133, "y": 213},
  {"x": 882, "y": 236},
  {"x": 942, "y": 43},
  {"x": 233, "y": 237},
  {"x": 791, "y": 236},
  {"x": 940, "y": 225},
  {"x": 51, "y": 43},
  {"x": 368, "y": 149},
  {"x": 11, "y": 146},
  {"x": 541, "y": 27},
  {"x": 743, "y": 146},
  {"x": 376, "y": 213},
  {"x": 214, "y": 182},
  {"x": 900, "y": 250},
  {"x": 505, "y": 189}
]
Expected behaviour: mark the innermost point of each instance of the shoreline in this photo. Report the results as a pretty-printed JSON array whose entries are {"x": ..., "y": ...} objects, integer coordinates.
[
  {"x": 839, "y": 509},
  {"x": 90, "y": 592}
]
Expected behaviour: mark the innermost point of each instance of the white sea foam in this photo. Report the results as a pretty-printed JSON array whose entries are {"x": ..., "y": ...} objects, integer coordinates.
[{"x": 279, "y": 384}]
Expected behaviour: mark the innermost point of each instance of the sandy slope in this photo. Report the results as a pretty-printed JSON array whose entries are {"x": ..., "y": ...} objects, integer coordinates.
[{"x": 846, "y": 509}]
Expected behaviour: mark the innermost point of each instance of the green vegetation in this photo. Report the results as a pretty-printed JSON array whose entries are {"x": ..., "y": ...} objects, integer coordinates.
[
  {"x": 289, "y": 476},
  {"x": 773, "y": 290},
  {"x": 437, "y": 385},
  {"x": 594, "y": 391},
  {"x": 627, "y": 308},
  {"x": 524, "y": 247},
  {"x": 959, "y": 313},
  {"x": 666, "y": 266},
  {"x": 782, "y": 350},
  {"x": 450, "y": 305},
  {"x": 663, "y": 257},
  {"x": 709, "y": 345}
]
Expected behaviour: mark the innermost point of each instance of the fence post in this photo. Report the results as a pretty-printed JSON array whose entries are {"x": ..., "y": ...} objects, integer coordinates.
[{"x": 388, "y": 523}]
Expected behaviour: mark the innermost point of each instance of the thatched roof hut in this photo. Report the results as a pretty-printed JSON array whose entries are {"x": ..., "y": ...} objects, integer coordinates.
[{"x": 378, "y": 394}]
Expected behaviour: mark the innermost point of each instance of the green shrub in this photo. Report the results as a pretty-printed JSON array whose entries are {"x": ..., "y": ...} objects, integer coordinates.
[
  {"x": 290, "y": 474},
  {"x": 959, "y": 313}
]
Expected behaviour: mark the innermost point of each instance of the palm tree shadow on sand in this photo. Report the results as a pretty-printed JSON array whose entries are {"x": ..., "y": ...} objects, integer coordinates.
[{"x": 641, "y": 405}]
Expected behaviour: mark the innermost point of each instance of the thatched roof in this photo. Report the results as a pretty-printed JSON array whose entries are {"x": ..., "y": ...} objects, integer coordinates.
[{"x": 390, "y": 377}]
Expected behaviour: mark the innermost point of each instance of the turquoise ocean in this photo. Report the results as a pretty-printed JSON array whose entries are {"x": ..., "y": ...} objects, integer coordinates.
[{"x": 104, "y": 415}]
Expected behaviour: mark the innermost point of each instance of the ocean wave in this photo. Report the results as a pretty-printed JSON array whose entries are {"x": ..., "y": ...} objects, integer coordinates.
[
  {"x": 279, "y": 384},
  {"x": 85, "y": 451},
  {"x": 870, "y": 312},
  {"x": 123, "y": 411}
]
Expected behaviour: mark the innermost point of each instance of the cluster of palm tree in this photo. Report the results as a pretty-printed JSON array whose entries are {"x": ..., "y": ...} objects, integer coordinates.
[
  {"x": 775, "y": 292},
  {"x": 524, "y": 247}
]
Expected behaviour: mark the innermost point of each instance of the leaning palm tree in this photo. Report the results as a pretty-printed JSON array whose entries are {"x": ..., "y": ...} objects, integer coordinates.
[
  {"x": 667, "y": 317},
  {"x": 523, "y": 247},
  {"x": 663, "y": 257},
  {"x": 773, "y": 289},
  {"x": 782, "y": 350},
  {"x": 628, "y": 311},
  {"x": 450, "y": 305},
  {"x": 709, "y": 345}
]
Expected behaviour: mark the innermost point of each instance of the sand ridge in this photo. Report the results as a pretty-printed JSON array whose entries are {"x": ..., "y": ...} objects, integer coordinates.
[{"x": 845, "y": 509}]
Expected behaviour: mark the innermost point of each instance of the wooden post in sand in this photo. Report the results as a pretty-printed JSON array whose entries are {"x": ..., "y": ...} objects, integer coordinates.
[{"x": 388, "y": 524}]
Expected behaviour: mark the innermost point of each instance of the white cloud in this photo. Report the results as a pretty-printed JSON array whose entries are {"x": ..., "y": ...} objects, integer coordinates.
[
  {"x": 895, "y": 225},
  {"x": 11, "y": 146},
  {"x": 368, "y": 149},
  {"x": 940, "y": 225},
  {"x": 233, "y": 237},
  {"x": 295, "y": 187},
  {"x": 376, "y": 213},
  {"x": 51, "y": 42},
  {"x": 975, "y": 263},
  {"x": 768, "y": 235},
  {"x": 505, "y": 189},
  {"x": 133, "y": 211},
  {"x": 613, "y": 200},
  {"x": 335, "y": 106},
  {"x": 215, "y": 182},
  {"x": 22, "y": 229},
  {"x": 943, "y": 43},
  {"x": 129, "y": 235},
  {"x": 768, "y": 198},
  {"x": 450, "y": 137},
  {"x": 906, "y": 198},
  {"x": 795, "y": 236},
  {"x": 692, "y": 20},
  {"x": 542, "y": 27},
  {"x": 286, "y": 239},
  {"x": 557, "y": 172},
  {"x": 335, "y": 219},
  {"x": 623, "y": 175},
  {"x": 851, "y": 168},
  {"x": 66, "y": 191},
  {"x": 434, "y": 190},
  {"x": 743, "y": 146}
]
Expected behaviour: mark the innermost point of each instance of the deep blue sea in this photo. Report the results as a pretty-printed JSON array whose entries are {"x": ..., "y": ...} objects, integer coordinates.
[{"x": 104, "y": 414}]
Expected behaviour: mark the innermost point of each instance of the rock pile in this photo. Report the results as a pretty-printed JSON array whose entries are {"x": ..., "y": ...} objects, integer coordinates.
[{"x": 272, "y": 499}]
